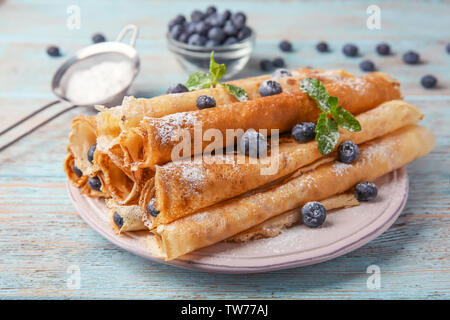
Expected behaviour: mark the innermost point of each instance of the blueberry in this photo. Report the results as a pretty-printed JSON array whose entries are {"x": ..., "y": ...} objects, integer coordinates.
[
  {"x": 151, "y": 208},
  {"x": 216, "y": 34},
  {"x": 383, "y": 49},
  {"x": 218, "y": 20},
  {"x": 197, "y": 40},
  {"x": 204, "y": 102},
  {"x": 347, "y": 152},
  {"x": 269, "y": 88},
  {"x": 366, "y": 191},
  {"x": 98, "y": 37},
  {"x": 202, "y": 28},
  {"x": 313, "y": 214},
  {"x": 281, "y": 73},
  {"x": 265, "y": 65},
  {"x": 278, "y": 62},
  {"x": 183, "y": 37},
  {"x": 367, "y": 65},
  {"x": 197, "y": 16},
  {"x": 322, "y": 46},
  {"x": 91, "y": 153},
  {"x": 230, "y": 29},
  {"x": 350, "y": 50},
  {"x": 176, "y": 31},
  {"x": 211, "y": 43},
  {"x": 428, "y": 81},
  {"x": 180, "y": 19},
  {"x": 53, "y": 51},
  {"x": 285, "y": 46},
  {"x": 238, "y": 19},
  {"x": 244, "y": 33},
  {"x": 253, "y": 144},
  {"x": 77, "y": 171},
  {"x": 177, "y": 88},
  {"x": 304, "y": 132},
  {"x": 230, "y": 40},
  {"x": 211, "y": 10},
  {"x": 118, "y": 220},
  {"x": 448, "y": 48},
  {"x": 94, "y": 183},
  {"x": 227, "y": 14},
  {"x": 411, "y": 57},
  {"x": 190, "y": 28}
]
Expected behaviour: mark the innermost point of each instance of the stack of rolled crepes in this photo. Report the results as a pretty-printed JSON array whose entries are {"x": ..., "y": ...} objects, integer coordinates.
[{"x": 219, "y": 196}]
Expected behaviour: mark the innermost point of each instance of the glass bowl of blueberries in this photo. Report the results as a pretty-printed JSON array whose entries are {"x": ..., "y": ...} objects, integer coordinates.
[{"x": 225, "y": 33}]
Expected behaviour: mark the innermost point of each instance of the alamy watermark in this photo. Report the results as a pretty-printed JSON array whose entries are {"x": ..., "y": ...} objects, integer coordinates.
[
  {"x": 73, "y": 21},
  {"x": 374, "y": 280},
  {"x": 373, "y": 22}
]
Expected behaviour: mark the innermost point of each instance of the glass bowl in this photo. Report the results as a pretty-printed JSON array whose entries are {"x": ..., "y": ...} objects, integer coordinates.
[{"x": 196, "y": 58}]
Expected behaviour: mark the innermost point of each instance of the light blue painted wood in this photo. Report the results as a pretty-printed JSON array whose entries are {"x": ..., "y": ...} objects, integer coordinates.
[{"x": 41, "y": 235}]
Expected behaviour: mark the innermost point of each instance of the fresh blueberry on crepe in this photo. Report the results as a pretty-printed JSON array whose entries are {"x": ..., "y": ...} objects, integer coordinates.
[
  {"x": 366, "y": 191},
  {"x": 367, "y": 65},
  {"x": 281, "y": 73},
  {"x": 313, "y": 214},
  {"x": 151, "y": 208},
  {"x": 177, "y": 88},
  {"x": 94, "y": 183},
  {"x": 429, "y": 81},
  {"x": 278, "y": 62},
  {"x": 91, "y": 153},
  {"x": 205, "y": 101},
  {"x": 411, "y": 57},
  {"x": 285, "y": 46},
  {"x": 304, "y": 132},
  {"x": 322, "y": 46},
  {"x": 348, "y": 151},
  {"x": 383, "y": 49},
  {"x": 270, "y": 88},
  {"x": 253, "y": 144},
  {"x": 98, "y": 37},
  {"x": 77, "y": 171},
  {"x": 350, "y": 50},
  {"x": 118, "y": 220},
  {"x": 265, "y": 65},
  {"x": 53, "y": 51}
]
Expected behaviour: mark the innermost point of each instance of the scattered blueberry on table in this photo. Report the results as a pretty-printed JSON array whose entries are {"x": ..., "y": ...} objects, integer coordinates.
[
  {"x": 91, "y": 152},
  {"x": 53, "y": 51},
  {"x": 98, "y": 37},
  {"x": 278, "y": 62},
  {"x": 448, "y": 48},
  {"x": 411, "y": 57},
  {"x": 281, "y": 73},
  {"x": 350, "y": 50},
  {"x": 304, "y": 132},
  {"x": 94, "y": 183},
  {"x": 383, "y": 49},
  {"x": 269, "y": 88},
  {"x": 322, "y": 46},
  {"x": 429, "y": 81},
  {"x": 367, "y": 65},
  {"x": 210, "y": 28},
  {"x": 366, "y": 191},
  {"x": 313, "y": 214},
  {"x": 253, "y": 144},
  {"x": 151, "y": 208},
  {"x": 177, "y": 88},
  {"x": 204, "y": 102},
  {"x": 285, "y": 46},
  {"x": 348, "y": 151},
  {"x": 266, "y": 65}
]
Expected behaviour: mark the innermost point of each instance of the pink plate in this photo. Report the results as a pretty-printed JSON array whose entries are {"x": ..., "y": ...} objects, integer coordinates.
[{"x": 345, "y": 230}]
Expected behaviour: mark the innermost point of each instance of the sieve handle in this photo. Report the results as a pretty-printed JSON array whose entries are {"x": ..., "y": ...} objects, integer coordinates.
[{"x": 135, "y": 31}]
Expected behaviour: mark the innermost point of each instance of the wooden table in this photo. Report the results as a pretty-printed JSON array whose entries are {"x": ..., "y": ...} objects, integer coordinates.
[{"x": 42, "y": 237}]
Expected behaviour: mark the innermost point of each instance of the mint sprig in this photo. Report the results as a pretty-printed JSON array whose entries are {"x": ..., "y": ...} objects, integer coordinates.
[
  {"x": 332, "y": 116},
  {"x": 201, "y": 80}
]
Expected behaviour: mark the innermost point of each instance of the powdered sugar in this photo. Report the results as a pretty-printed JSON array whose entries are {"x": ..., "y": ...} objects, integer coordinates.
[{"x": 170, "y": 126}]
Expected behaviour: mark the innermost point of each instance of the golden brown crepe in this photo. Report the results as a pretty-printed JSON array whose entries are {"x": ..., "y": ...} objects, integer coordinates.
[
  {"x": 185, "y": 186},
  {"x": 159, "y": 137},
  {"x": 226, "y": 219}
]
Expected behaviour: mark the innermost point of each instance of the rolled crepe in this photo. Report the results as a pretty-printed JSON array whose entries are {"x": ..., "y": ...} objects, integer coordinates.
[
  {"x": 274, "y": 226},
  {"x": 81, "y": 138},
  {"x": 125, "y": 217},
  {"x": 224, "y": 220},
  {"x": 185, "y": 186},
  {"x": 160, "y": 137}
]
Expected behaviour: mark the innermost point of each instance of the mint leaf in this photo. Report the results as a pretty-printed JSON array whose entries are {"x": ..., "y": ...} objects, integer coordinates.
[
  {"x": 198, "y": 81},
  {"x": 345, "y": 119},
  {"x": 327, "y": 134},
  {"x": 237, "y": 92},
  {"x": 315, "y": 89},
  {"x": 217, "y": 70}
]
